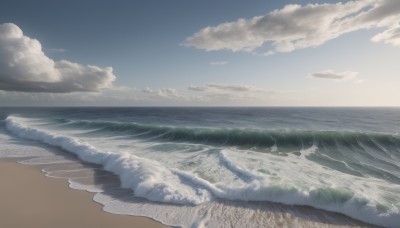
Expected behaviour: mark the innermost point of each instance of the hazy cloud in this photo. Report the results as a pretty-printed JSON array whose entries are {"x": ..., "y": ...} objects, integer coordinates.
[
  {"x": 24, "y": 67},
  {"x": 219, "y": 63},
  {"x": 220, "y": 94},
  {"x": 106, "y": 97},
  {"x": 330, "y": 74},
  {"x": 209, "y": 94},
  {"x": 390, "y": 36},
  {"x": 296, "y": 27},
  {"x": 57, "y": 50},
  {"x": 226, "y": 94},
  {"x": 221, "y": 87},
  {"x": 126, "y": 96},
  {"x": 164, "y": 93}
]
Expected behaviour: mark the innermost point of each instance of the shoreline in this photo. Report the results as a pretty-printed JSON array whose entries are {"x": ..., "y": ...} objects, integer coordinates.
[{"x": 30, "y": 199}]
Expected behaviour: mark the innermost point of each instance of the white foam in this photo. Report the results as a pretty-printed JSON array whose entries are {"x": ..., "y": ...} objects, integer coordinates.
[
  {"x": 240, "y": 171},
  {"x": 308, "y": 151},
  {"x": 146, "y": 178},
  {"x": 12, "y": 147},
  {"x": 52, "y": 159},
  {"x": 85, "y": 187}
]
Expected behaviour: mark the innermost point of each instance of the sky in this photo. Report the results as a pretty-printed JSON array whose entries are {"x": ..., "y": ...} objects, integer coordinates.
[{"x": 200, "y": 53}]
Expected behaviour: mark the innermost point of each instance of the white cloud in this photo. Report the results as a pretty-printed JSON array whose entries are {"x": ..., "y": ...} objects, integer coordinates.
[
  {"x": 219, "y": 63},
  {"x": 390, "y": 36},
  {"x": 296, "y": 27},
  {"x": 164, "y": 93},
  {"x": 24, "y": 67},
  {"x": 330, "y": 74}
]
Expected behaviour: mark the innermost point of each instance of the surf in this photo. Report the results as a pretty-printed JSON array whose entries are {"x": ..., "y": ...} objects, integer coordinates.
[{"x": 151, "y": 180}]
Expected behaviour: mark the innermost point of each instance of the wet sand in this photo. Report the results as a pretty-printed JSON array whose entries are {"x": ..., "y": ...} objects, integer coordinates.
[{"x": 30, "y": 199}]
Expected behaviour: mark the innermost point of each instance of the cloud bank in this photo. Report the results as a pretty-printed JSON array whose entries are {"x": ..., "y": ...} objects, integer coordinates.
[
  {"x": 212, "y": 87},
  {"x": 330, "y": 74},
  {"x": 24, "y": 67},
  {"x": 162, "y": 94},
  {"x": 228, "y": 94},
  {"x": 218, "y": 95},
  {"x": 296, "y": 27}
]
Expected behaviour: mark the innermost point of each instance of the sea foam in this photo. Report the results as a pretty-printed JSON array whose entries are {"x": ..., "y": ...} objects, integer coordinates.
[{"x": 146, "y": 178}]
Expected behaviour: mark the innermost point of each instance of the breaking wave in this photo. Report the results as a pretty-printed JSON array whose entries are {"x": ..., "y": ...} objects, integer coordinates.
[{"x": 151, "y": 180}]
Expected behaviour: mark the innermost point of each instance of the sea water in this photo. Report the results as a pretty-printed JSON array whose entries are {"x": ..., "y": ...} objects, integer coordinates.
[{"x": 222, "y": 167}]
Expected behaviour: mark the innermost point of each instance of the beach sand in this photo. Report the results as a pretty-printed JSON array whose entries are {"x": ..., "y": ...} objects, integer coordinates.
[{"x": 30, "y": 199}]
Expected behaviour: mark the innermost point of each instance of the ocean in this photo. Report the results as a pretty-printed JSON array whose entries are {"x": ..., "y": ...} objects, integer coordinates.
[{"x": 220, "y": 167}]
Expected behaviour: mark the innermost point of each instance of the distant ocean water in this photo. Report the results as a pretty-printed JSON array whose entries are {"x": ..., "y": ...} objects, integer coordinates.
[{"x": 201, "y": 166}]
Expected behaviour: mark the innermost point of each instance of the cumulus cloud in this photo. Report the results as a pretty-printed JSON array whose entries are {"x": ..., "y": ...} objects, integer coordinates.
[
  {"x": 296, "y": 27},
  {"x": 24, "y": 67},
  {"x": 330, "y": 74}
]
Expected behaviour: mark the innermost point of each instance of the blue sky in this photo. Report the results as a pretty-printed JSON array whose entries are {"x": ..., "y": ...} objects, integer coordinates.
[{"x": 257, "y": 53}]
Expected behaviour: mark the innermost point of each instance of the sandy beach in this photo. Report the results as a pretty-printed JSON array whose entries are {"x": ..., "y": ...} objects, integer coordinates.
[{"x": 29, "y": 199}]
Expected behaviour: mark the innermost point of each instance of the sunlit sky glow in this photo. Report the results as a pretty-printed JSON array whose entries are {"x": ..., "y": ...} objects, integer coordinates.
[{"x": 203, "y": 53}]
